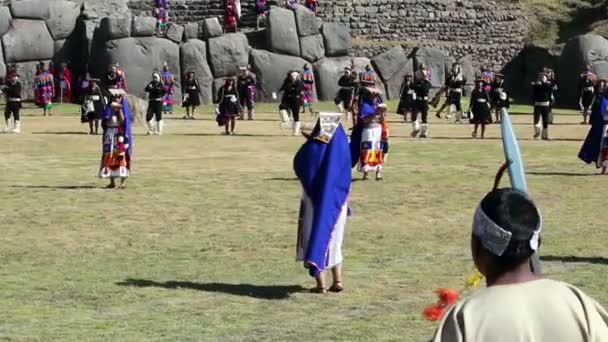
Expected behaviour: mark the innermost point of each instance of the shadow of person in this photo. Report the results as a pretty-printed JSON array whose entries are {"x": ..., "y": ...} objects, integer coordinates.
[
  {"x": 55, "y": 187},
  {"x": 560, "y": 173},
  {"x": 576, "y": 259},
  {"x": 270, "y": 292}
]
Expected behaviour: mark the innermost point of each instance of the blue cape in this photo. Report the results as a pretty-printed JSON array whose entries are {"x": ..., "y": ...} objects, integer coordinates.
[
  {"x": 325, "y": 174},
  {"x": 127, "y": 112},
  {"x": 590, "y": 151}
]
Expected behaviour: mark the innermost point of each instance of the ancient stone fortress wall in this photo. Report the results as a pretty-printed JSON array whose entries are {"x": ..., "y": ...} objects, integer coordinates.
[{"x": 489, "y": 31}]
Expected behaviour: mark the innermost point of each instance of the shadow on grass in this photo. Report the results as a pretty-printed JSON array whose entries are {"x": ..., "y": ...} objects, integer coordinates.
[
  {"x": 575, "y": 259},
  {"x": 498, "y": 138},
  {"x": 559, "y": 173},
  {"x": 246, "y": 290},
  {"x": 283, "y": 179},
  {"x": 63, "y": 133},
  {"x": 57, "y": 187},
  {"x": 220, "y": 134}
]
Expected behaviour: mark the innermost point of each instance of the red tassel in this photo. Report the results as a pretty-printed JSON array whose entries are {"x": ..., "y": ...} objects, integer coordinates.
[
  {"x": 434, "y": 312},
  {"x": 447, "y": 297}
]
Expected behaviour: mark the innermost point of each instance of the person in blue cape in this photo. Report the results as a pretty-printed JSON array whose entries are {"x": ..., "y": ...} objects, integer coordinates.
[
  {"x": 117, "y": 141},
  {"x": 323, "y": 167},
  {"x": 595, "y": 147}
]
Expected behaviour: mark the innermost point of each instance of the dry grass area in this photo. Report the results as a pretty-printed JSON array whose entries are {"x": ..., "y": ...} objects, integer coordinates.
[{"x": 201, "y": 245}]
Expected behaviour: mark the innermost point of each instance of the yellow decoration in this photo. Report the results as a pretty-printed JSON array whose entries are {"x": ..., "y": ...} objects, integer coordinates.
[{"x": 473, "y": 280}]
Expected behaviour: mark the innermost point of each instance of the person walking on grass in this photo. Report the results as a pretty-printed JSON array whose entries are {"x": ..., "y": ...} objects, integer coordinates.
[
  {"x": 192, "y": 94},
  {"x": 323, "y": 166},
  {"x": 228, "y": 106},
  {"x": 95, "y": 102},
  {"x": 169, "y": 83},
  {"x": 117, "y": 143},
  {"x": 154, "y": 115},
  {"x": 46, "y": 88},
  {"x": 12, "y": 91},
  {"x": 479, "y": 107}
]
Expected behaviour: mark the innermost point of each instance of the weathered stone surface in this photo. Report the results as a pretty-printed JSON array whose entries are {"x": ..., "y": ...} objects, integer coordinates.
[
  {"x": 97, "y": 9},
  {"x": 392, "y": 66},
  {"x": 27, "y": 40},
  {"x": 5, "y": 19},
  {"x": 468, "y": 70},
  {"x": 579, "y": 52},
  {"x": 2, "y": 65},
  {"x": 63, "y": 17},
  {"x": 337, "y": 39},
  {"x": 139, "y": 57},
  {"x": 212, "y": 28},
  {"x": 312, "y": 48},
  {"x": 175, "y": 32},
  {"x": 194, "y": 57},
  {"x": 281, "y": 32},
  {"x": 306, "y": 21},
  {"x": 227, "y": 53},
  {"x": 600, "y": 68},
  {"x": 524, "y": 69},
  {"x": 27, "y": 75},
  {"x": 191, "y": 31},
  {"x": 271, "y": 70},
  {"x": 115, "y": 28},
  {"x": 30, "y": 9},
  {"x": 327, "y": 73},
  {"x": 217, "y": 84},
  {"x": 436, "y": 60},
  {"x": 143, "y": 27}
]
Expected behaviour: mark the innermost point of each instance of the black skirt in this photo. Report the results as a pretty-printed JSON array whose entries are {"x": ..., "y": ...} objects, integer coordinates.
[
  {"x": 481, "y": 113},
  {"x": 192, "y": 100},
  {"x": 406, "y": 105}
]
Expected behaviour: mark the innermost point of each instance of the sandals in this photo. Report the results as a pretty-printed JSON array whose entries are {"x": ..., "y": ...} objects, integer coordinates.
[{"x": 337, "y": 287}]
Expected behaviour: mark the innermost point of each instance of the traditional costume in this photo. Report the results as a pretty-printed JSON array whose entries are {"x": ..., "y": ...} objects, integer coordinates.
[
  {"x": 369, "y": 77},
  {"x": 261, "y": 8},
  {"x": 323, "y": 167},
  {"x": 479, "y": 108},
  {"x": 291, "y": 102},
  {"x": 230, "y": 19},
  {"x": 247, "y": 88},
  {"x": 487, "y": 77},
  {"x": 407, "y": 98},
  {"x": 64, "y": 84},
  {"x": 308, "y": 95},
  {"x": 161, "y": 14},
  {"x": 192, "y": 94},
  {"x": 12, "y": 91},
  {"x": 94, "y": 106},
  {"x": 369, "y": 140},
  {"x": 115, "y": 79},
  {"x": 45, "y": 84},
  {"x": 228, "y": 108},
  {"x": 37, "y": 95},
  {"x": 499, "y": 96},
  {"x": 586, "y": 92},
  {"x": 169, "y": 82},
  {"x": 455, "y": 83},
  {"x": 595, "y": 147},
  {"x": 312, "y": 5},
  {"x": 347, "y": 84},
  {"x": 422, "y": 87},
  {"x": 117, "y": 141},
  {"x": 542, "y": 94},
  {"x": 154, "y": 115}
]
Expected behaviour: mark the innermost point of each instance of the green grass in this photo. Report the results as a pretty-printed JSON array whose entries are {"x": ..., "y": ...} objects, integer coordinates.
[{"x": 201, "y": 245}]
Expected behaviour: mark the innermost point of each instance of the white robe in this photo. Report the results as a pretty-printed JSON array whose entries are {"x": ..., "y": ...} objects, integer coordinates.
[{"x": 337, "y": 235}]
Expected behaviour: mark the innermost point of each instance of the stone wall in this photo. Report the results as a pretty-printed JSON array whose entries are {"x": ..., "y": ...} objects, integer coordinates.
[{"x": 491, "y": 32}]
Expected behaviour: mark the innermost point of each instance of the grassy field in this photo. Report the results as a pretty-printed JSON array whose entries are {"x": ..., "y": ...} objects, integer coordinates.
[{"x": 200, "y": 247}]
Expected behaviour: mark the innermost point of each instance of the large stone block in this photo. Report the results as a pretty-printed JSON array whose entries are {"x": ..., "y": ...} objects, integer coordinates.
[
  {"x": 5, "y": 19},
  {"x": 97, "y": 9},
  {"x": 30, "y": 9},
  {"x": 392, "y": 66},
  {"x": 2, "y": 65},
  {"x": 578, "y": 53},
  {"x": 281, "y": 32},
  {"x": 212, "y": 28},
  {"x": 227, "y": 53},
  {"x": 139, "y": 57},
  {"x": 27, "y": 75},
  {"x": 115, "y": 28},
  {"x": 143, "y": 27},
  {"x": 191, "y": 31},
  {"x": 327, "y": 73},
  {"x": 194, "y": 57},
  {"x": 522, "y": 70},
  {"x": 337, "y": 40},
  {"x": 437, "y": 62},
  {"x": 468, "y": 70},
  {"x": 271, "y": 70},
  {"x": 312, "y": 48},
  {"x": 27, "y": 40},
  {"x": 306, "y": 21},
  {"x": 63, "y": 17},
  {"x": 175, "y": 32}
]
